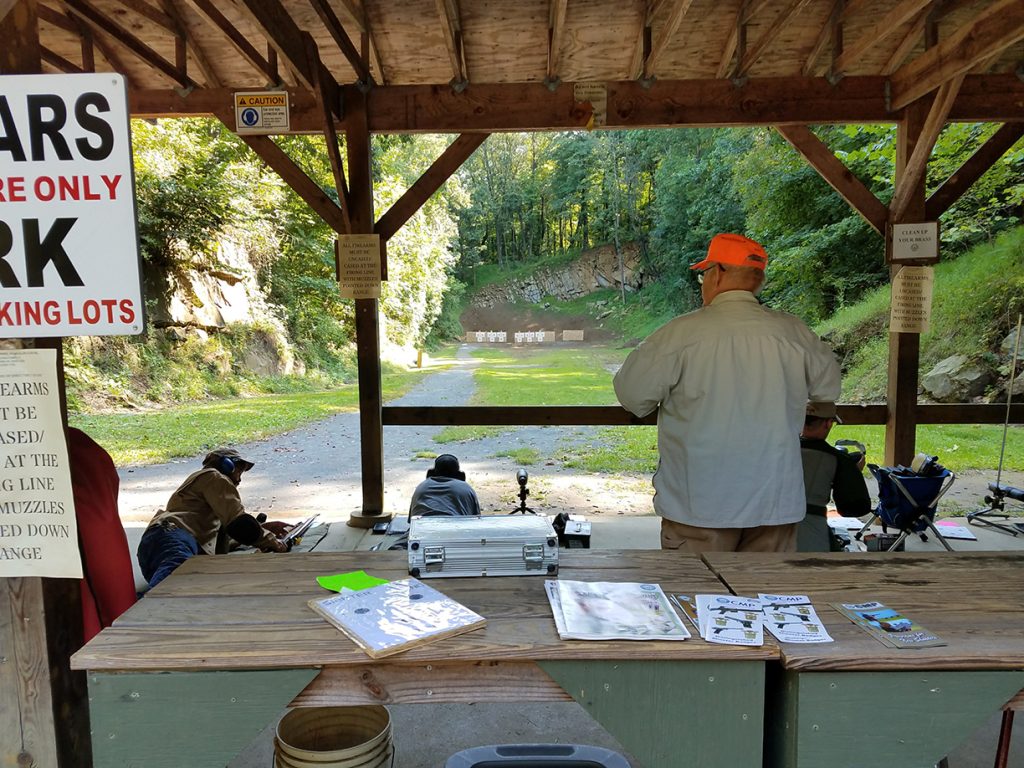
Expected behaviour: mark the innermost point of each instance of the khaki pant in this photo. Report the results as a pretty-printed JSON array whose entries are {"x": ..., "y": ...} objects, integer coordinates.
[{"x": 764, "y": 538}]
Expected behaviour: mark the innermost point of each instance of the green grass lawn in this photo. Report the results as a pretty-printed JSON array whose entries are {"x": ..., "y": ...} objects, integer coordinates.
[{"x": 150, "y": 437}]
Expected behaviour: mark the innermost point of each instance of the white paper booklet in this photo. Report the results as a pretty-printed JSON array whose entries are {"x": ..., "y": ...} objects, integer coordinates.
[
  {"x": 730, "y": 620},
  {"x": 613, "y": 611},
  {"x": 392, "y": 617},
  {"x": 845, "y": 523},
  {"x": 952, "y": 531},
  {"x": 792, "y": 619}
]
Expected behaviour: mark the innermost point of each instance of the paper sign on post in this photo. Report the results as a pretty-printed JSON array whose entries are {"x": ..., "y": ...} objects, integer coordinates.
[
  {"x": 38, "y": 531},
  {"x": 359, "y": 266},
  {"x": 915, "y": 242},
  {"x": 69, "y": 253},
  {"x": 597, "y": 95},
  {"x": 911, "y": 300}
]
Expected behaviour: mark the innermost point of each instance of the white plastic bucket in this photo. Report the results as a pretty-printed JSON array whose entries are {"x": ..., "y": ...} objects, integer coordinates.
[{"x": 334, "y": 737}]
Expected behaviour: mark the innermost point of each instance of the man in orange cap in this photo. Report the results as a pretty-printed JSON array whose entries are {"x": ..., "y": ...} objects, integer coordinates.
[{"x": 730, "y": 382}]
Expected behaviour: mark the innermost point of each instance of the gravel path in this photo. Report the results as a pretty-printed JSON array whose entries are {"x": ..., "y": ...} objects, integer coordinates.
[{"x": 316, "y": 468}]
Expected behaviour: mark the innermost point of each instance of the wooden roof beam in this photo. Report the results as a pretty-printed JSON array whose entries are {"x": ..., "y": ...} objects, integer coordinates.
[
  {"x": 205, "y": 66},
  {"x": 917, "y": 165},
  {"x": 665, "y": 36},
  {"x": 838, "y": 176},
  {"x": 758, "y": 48},
  {"x": 341, "y": 39},
  {"x": 828, "y": 32},
  {"x": 154, "y": 15},
  {"x": 887, "y": 25},
  {"x": 101, "y": 22},
  {"x": 556, "y": 32},
  {"x": 643, "y": 42},
  {"x": 748, "y": 10},
  {"x": 58, "y": 61},
  {"x": 448, "y": 10},
  {"x": 209, "y": 11},
  {"x": 907, "y": 44},
  {"x": 50, "y": 16},
  {"x": 997, "y": 145},
  {"x": 330, "y": 135},
  {"x": 995, "y": 28},
  {"x": 370, "y": 52},
  {"x": 426, "y": 185}
]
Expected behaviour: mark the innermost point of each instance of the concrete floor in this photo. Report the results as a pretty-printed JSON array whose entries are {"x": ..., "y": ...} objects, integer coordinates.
[{"x": 426, "y": 735}]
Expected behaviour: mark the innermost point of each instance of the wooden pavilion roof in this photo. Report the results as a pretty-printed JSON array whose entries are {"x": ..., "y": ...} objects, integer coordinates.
[{"x": 865, "y": 58}]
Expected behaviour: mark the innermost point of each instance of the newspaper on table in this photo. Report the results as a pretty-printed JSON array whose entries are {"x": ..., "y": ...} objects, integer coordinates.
[
  {"x": 792, "y": 619},
  {"x": 730, "y": 620},
  {"x": 393, "y": 617},
  {"x": 887, "y": 626},
  {"x": 613, "y": 611}
]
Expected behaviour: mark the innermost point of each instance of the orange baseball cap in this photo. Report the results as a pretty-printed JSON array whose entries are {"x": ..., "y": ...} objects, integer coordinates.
[{"x": 736, "y": 250}]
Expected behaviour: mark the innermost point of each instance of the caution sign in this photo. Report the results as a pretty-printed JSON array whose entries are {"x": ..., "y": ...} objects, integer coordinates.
[
  {"x": 359, "y": 266},
  {"x": 69, "y": 252},
  {"x": 261, "y": 112}
]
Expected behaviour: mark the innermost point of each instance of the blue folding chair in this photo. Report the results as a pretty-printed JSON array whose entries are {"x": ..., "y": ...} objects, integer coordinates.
[{"x": 907, "y": 501}]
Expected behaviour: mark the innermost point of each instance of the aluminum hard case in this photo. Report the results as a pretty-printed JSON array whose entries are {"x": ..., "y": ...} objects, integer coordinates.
[{"x": 485, "y": 545}]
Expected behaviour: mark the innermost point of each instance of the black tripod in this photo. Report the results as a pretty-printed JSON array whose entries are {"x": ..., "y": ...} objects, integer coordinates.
[{"x": 522, "y": 476}]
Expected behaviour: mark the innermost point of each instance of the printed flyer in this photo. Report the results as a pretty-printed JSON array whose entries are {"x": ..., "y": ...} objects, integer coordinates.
[
  {"x": 792, "y": 619},
  {"x": 887, "y": 626}
]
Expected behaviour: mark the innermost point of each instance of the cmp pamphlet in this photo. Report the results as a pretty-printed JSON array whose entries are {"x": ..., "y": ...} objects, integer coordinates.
[
  {"x": 887, "y": 626},
  {"x": 613, "y": 611},
  {"x": 396, "y": 616},
  {"x": 792, "y": 619},
  {"x": 730, "y": 620}
]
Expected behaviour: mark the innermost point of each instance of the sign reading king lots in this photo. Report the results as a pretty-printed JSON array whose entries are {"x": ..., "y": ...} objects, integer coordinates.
[{"x": 69, "y": 253}]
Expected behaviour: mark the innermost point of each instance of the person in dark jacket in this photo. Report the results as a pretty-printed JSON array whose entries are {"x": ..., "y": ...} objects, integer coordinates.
[
  {"x": 829, "y": 475},
  {"x": 445, "y": 491}
]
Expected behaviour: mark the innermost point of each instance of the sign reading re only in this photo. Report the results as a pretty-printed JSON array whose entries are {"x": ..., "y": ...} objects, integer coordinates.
[{"x": 69, "y": 252}]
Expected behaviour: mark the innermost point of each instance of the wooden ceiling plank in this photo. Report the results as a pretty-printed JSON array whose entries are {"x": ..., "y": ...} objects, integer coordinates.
[
  {"x": 838, "y": 176},
  {"x": 810, "y": 67},
  {"x": 997, "y": 145},
  {"x": 665, "y": 36},
  {"x": 209, "y": 11},
  {"x": 917, "y": 165},
  {"x": 907, "y": 44},
  {"x": 448, "y": 11},
  {"x": 101, "y": 22},
  {"x": 292, "y": 174},
  {"x": 333, "y": 24},
  {"x": 748, "y": 10},
  {"x": 995, "y": 28},
  {"x": 426, "y": 185},
  {"x": 556, "y": 32},
  {"x": 887, "y": 25},
  {"x": 202, "y": 60},
  {"x": 147, "y": 11},
  {"x": 274, "y": 22},
  {"x": 766, "y": 39},
  {"x": 50, "y": 16},
  {"x": 58, "y": 61},
  {"x": 330, "y": 134}
]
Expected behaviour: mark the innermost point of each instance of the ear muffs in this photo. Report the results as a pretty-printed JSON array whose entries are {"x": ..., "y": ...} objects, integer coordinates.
[{"x": 226, "y": 466}]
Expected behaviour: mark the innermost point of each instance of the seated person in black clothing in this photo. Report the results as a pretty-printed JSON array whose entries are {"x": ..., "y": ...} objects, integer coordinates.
[
  {"x": 445, "y": 491},
  {"x": 829, "y": 474}
]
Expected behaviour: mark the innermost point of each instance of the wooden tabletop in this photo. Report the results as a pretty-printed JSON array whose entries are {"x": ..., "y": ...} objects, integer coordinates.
[
  {"x": 251, "y": 612},
  {"x": 974, "y": 601}
]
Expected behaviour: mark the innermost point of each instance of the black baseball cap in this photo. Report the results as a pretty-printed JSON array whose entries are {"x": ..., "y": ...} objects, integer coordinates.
[{"x": 446, "y": 465}]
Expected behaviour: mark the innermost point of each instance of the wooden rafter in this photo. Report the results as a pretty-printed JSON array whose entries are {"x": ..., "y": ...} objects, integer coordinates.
[
  {"x": 556, "y": 31},
  {"x": 451, "y": 30},
  {"x": 102, "y": 22},
  {"x": 205, "y": 65},
  {"x": 995, "y": 28},
  {"x": 51, "y": 16},
  {"x": 887, "y": 25},
  {"x": 907, "y": 44},
  {"x": 357, "y": 11},
  {"x": 209, "y": 11},
  {"x": 838, "y": 176},
  {"x": 757, "y": 49},
  {"x": 426, "y": 185},
  {"x": 827, "y": 33},
  {"x": 917, "y": 165},
  {"x": 147, "y": 11},
  {"x": 58, "y": 61},
  {"x": 748, "y": 10},
  {"x": 341, "y": 39},
  {"x": 665, "y": 36},
  {"x": 643, "y": 42},
  {"x": 997, "y": 145}
]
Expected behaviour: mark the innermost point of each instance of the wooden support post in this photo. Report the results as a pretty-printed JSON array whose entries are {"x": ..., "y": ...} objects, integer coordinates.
[
  {"x": 371, "y": 428},
  {"x": 44, "y": 719},
  {"x": 905, "y": 348}
]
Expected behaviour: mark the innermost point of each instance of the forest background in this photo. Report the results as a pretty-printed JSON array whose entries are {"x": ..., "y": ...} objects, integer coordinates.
[{"x": 521, "y": 202}]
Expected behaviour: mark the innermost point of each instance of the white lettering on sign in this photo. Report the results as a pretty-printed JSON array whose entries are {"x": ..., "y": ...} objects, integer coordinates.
[{"x": 69, "y": 258}]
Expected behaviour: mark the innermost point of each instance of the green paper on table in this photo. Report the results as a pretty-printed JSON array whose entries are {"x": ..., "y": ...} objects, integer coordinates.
[{"x": 354, "y": 581}]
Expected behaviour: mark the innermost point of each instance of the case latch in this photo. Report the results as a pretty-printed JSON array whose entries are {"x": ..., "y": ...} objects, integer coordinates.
[
  {"x": 533, "y": 553},
  {"x": 433, "y": 555}
]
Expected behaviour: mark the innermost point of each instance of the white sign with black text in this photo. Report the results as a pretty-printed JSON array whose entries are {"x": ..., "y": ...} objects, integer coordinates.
[
  {"x": 38, "y": 531},
  {"x": 69, "y": 252},
  {"x": 914, "y": 242}
]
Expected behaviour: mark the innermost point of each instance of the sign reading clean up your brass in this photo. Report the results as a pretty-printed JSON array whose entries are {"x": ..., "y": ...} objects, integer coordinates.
[
  {"x": 262, "y": 112},
  {"x": 911, "y": 300},
  {"x": 359, "y": 266},
  {"x": 915, "y": 242}
]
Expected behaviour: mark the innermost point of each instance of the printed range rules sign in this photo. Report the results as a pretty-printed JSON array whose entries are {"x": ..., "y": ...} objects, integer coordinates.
[
  {"x": 38, "y": 533},
  {"x": 69, "y": 254}
]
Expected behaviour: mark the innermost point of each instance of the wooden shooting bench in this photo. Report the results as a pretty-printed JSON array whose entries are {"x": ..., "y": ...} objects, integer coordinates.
[
  {"x": 851, "y": 702},
  {"x": 198, "y": 667}
]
